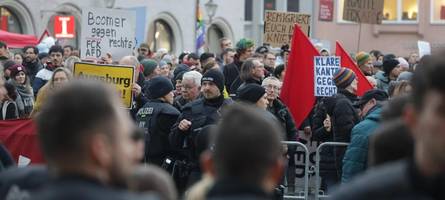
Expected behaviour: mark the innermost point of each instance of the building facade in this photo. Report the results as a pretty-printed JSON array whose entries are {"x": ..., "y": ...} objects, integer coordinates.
[
  {"x": 168, "y": 24},
  {"x": 405, "y": 22}
]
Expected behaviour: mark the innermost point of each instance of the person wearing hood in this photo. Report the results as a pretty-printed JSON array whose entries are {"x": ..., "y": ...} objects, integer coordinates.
[
  {"x": 391, "y": 70},
  {"x": 25, "y": 95},
  {"x": 244, "y": 50},
  {"x": 42, "y": 77},
  {"x": 355, "y": 160}
]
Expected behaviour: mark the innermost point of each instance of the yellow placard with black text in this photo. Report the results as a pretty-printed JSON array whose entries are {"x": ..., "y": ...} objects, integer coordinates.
[{"x": 119, "y": 75}]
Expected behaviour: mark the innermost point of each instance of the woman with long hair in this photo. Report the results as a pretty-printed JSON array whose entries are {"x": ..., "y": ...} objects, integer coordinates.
[
  {"x": 59, "y": 78},
  {"x": 25, "y": 95}
]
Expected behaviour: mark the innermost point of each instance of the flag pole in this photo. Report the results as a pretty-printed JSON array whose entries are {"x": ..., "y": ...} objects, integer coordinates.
[{"x": 359, "y": 36}]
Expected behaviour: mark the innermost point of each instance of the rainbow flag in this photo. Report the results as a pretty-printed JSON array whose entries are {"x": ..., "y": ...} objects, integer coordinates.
[{"x": 200, "y": 31}]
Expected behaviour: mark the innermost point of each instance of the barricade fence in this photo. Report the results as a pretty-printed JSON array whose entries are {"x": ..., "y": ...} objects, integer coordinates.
[{"x": 302, "y": 174}]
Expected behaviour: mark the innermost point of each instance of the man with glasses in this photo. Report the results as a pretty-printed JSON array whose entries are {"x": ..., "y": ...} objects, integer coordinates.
[
  {"x": 190, "y": 89},
  {"x": 269, "y": 63},
  {"x": 277, "y": 108}
]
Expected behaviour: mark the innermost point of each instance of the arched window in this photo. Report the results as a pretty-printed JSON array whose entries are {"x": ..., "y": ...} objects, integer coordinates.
[
  {"x": 214, "y": 33},
  {"x": 160, "y": 35},
  {"x": 66, "y": 41},
  {"x": 9, "y": 21}
]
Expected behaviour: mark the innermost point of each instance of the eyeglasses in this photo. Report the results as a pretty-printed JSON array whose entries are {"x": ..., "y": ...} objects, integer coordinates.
[{"x": 272, "y": 87}]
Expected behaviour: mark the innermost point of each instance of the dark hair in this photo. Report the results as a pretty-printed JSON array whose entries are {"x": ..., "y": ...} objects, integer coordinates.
[
  {"x": 71, "y": 115},
  {"x": 285, "y": 48},
  {"x": 376, "y": 53},
  {"x": 181, "y": 56},
  {"x": 391, "y": 141},
  {"x": 429, "y": 76},
  {"x": 193, "y": 56},
  {"x": 3, "y": 45},
  {"x": 245, "y": 72},
  {"x": 35, "y": 49},
  {"x": 68, "y": 46},
  {"x": 207, "y": 66},
  {"x": 277, "y": 71},
  {"x": 55, "y": 48},
  {"x": 234, "y": 151},
  {"x": 227, "y": 50},
  {"x": 389, "y": 56},
  {"x": 11, "y": 90},
  {"x": 205, "y": 56}
]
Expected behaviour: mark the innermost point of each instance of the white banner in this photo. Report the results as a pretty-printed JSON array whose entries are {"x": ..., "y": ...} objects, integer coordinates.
[
  {"x": 107, "y": 31},
  {"x": 324, "y": 69}
]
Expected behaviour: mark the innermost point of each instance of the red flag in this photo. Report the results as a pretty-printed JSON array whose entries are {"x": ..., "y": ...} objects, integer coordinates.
[
  {"x": 363, "y": 84},
  {"x": 298, "y": 85},
  {"x": 20, "y": 138}
]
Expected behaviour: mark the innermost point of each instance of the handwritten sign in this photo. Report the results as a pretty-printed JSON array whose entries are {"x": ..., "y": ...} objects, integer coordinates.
[
  {"x": 119, "y": 75},
  {"x": 324, "y": 69},
  {"x": 279, "y": 26},
  {"x": 363, "y": 11},
  {"x": 107, "y": 31}
]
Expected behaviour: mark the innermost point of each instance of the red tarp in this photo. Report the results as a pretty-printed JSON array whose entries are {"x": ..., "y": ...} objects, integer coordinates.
[
  {"x": 20, "y": 138},
  {"x": 15, "y": 40}
]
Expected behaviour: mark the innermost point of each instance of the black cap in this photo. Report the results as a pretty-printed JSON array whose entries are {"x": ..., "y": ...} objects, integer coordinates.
[
  {"x": 389, "y": 65},
  {"x": 250, "y": 93},
  {"x": 377, "y": 94},
  {"x": 158, "y": 87},
  {"x": 215, "y": 76}
]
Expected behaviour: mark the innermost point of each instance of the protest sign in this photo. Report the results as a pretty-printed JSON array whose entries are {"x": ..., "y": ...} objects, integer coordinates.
[
  {"x": 326, "y": 10},
  {"x": 363, "y": 11},
  {"x": 324, "y": 68},
  {"x": 424, "y": 48},
  {"x": 279, "y": 26},
  {"x": 118, "y": 75},
  {"x": 107, "y": 31}
]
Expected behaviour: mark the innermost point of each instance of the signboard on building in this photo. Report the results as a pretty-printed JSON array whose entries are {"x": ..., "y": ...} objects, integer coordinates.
[
  {"x": 118, "y": 75},
  {"x": 326, "y": 10},
  {"x": 64, "y": 27},
  {"x": 363, "y": 11},
  {"x": 324, "y": 69},
  {"x": 107, "y": 31},
  {"x": 279, "y": 26}
]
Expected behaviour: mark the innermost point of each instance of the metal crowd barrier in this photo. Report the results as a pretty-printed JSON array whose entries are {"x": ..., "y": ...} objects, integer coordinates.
[
  {"x": 317, "y": 166},
  {"x": 306, "y": 171}
]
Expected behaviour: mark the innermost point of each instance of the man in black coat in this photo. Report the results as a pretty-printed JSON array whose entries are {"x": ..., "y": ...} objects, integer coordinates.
[
  {"x": 31, "y": 62},
  {"x": 157, "y": 117},
  {"x": 244, "y": 50},
  {"x": 87, "y": 140},
  {"x": 195, "y": 117},
  {"x": 338, "y": 117}
]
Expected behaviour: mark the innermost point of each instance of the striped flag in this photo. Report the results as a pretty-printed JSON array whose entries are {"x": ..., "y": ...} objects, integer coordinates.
[{"x": 200, "y": 30}]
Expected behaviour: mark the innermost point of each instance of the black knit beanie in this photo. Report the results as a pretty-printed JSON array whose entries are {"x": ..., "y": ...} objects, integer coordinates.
[
  {"x": 250, "y": 93},
  {"x": 158, "y": 87},
  {"x": 389, "y": 65},
  {"x": 215, "y": 76}
]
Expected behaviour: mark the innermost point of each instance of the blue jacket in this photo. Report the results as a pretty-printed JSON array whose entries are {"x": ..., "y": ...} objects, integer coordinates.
[{"x": 356, "y": 156}]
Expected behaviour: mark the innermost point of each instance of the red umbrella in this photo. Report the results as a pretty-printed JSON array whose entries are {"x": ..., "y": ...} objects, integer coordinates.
[{"x": 15, "y": 40}]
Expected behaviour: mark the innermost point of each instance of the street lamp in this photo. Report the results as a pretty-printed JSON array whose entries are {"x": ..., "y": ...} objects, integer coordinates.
[
  {"x": 211, "y": 9},
  {"x": 109, "y": 3}
]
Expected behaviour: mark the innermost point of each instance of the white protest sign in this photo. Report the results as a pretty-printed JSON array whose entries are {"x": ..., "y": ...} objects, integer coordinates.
[
  {"x": 107, "y": 31},
  {"x": 424, "y": 48},
  {"x": 324, "y": 69}
]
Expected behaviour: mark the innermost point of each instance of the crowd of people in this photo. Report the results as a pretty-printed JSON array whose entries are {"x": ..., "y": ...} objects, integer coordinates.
[{"x": 209, "y": 126}]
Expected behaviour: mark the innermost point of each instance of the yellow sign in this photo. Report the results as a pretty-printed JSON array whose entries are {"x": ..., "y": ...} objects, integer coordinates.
[{"x": 118, "y": 75}]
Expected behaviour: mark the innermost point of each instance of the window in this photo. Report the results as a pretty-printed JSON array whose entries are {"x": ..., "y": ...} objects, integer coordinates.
[
  {"x": 269, "y": 5},
  {"x": 9, "y": 21},
  {"x": 248, "y": 10},
  {"x": 394, "y": 11},
  {"x": 214, "y": 33},
  {"x": 293, "y": 5},
  {"x": 438, "y": 11},
  {"x": 160, "y": 36}
]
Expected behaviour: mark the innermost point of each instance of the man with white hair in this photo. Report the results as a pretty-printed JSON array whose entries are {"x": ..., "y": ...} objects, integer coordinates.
[{"x": 190, "y": 91}]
